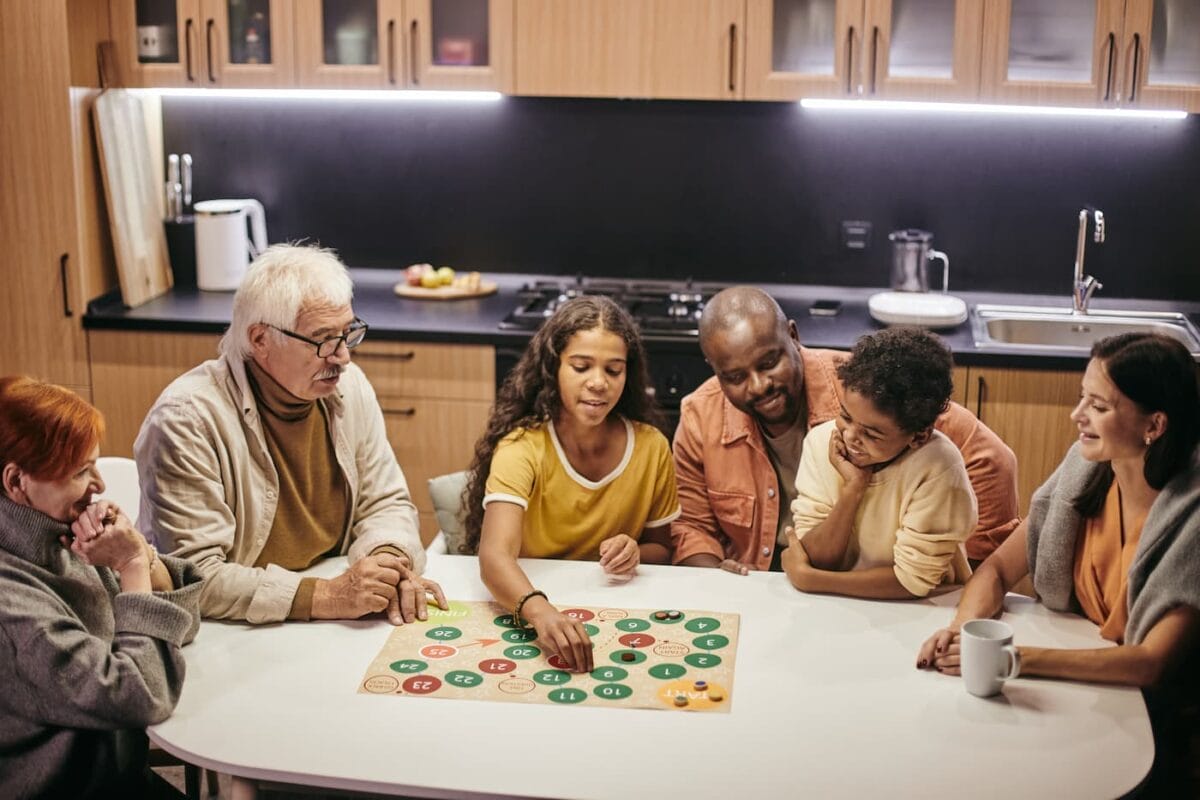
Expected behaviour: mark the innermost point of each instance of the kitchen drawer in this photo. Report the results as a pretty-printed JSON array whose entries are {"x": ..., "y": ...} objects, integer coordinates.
[
  {"x": 433, "y": 437},
  {"x": 455, "y": 371}
]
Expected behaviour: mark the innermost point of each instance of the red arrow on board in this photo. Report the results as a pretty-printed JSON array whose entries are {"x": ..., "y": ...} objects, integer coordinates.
[{"x": 482, "y": 642}]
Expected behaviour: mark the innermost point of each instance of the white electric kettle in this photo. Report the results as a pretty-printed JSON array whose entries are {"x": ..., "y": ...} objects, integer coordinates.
[{"x": 224, "y": 243}]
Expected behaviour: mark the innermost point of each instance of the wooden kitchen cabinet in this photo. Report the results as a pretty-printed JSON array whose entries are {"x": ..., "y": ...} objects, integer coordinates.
[
  {"x": 39, "y": 231},
  {"x": 669, "y": 49},
  {"x": 352, "y": 44},
  {"x": 1062, "y": 53},
  {"x": 877, "y": 49},
  {"x": 204, "y": 43},
  {"x": 459, "y": 44},
  {"x": 1160, "y": 55},
  {"x": 1030, "y": 410},
  {"x": 435, "y": 397}
]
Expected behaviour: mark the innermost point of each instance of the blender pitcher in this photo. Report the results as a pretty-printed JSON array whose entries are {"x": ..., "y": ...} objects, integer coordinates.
[{"x": 911, "y": 254}]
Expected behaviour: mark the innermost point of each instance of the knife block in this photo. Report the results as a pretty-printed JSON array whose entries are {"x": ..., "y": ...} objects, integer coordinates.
[{"x": 181, "y": 249}]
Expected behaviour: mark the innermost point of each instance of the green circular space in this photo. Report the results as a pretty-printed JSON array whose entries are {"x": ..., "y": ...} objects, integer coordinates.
[
  {"x": 638, "y": 657},
  {"x": 519, "y": 635},
  {"x": 610, "y": 674},
  {"x": 552, "y": 677},
  {"x": 702, "y": 625},
  {"x": 522, "y": 651},
  {"x": 567, "y": 695},
  {"x": 591, "y": 630},
  {"x": 702, "y": 660},
  {"x": 612, "y": 691},
  {"x": 713, "y": 642},
  {"x": 409, "y": 666},
  {"x": 462, "y": 677},
  {"x": 633, "y": 625},
  {"x": 667, "y": 672},
  {"x": 443, "y": 633},
  {"x": 505, "y": 621}
]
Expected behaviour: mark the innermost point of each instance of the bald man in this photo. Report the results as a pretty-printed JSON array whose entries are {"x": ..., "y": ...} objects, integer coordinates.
[{"x": 737, "y": 448}]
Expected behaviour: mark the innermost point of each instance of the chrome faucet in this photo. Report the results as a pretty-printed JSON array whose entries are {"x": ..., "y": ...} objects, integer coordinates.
[{"x": 1084, "y": 286}]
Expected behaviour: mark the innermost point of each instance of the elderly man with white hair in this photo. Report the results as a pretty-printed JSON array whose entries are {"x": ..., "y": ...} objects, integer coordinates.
[{"x": 260, "y": 463}]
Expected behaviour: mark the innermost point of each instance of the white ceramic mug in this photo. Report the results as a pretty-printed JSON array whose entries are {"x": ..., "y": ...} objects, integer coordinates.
[
  {"x": 224, "y": 245},
  {"x": 987, "y": 657}
]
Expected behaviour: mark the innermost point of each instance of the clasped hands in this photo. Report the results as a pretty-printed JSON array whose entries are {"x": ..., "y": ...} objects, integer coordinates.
[
  {"x": 374, "y": 583},
  {"x": 103, "y": 536}
]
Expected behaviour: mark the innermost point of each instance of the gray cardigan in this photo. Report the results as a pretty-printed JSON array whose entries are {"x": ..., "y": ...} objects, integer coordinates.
[
  {"x": 84, "y": 667},
  {"x": 1165, "y": 572}
]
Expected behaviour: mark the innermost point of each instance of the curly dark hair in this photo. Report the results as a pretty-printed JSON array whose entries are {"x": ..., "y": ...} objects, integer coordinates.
[
  {"x": 905, "y": 372},
  {"x": 530, "y": 396}
]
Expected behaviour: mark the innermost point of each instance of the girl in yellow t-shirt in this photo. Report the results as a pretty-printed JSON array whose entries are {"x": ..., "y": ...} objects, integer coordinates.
[{"x": 571, "y": 466}]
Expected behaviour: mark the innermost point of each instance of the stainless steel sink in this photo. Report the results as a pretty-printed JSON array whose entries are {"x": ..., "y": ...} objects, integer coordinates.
[{"x": 1043, "y": 329}]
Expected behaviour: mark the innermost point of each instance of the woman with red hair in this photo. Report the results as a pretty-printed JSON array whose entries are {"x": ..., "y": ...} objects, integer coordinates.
[{"x": 92, "y": 620}]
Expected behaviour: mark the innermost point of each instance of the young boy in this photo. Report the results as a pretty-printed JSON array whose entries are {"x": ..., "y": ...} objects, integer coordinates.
[{"x": 883, "y": 500}]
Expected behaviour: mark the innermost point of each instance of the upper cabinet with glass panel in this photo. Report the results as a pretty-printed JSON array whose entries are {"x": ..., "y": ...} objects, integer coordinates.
[
  {"x": 460, "y": 44},
  {"x": 350, "y": 43},
  {"x": 895, "y": 49},
  {"x": 1060, "y": 53},
  {"x": 1160, "y": 59},
  {"x": 198, "y": 43}
]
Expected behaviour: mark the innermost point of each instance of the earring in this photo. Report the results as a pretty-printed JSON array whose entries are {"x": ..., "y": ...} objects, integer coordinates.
[{"x": 1149, "y": 439}]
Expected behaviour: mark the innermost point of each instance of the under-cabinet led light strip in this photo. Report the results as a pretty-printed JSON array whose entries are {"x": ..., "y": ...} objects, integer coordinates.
[
  {"x": 390, "y": 95},
  {"x": 984, "y": 108}
]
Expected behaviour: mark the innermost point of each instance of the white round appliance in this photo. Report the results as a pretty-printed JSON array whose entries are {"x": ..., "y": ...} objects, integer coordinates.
[{"x": 925, "y": 309}]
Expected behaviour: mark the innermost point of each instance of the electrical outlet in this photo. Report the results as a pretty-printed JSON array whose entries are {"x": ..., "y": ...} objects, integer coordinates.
[{"x": 856, "y": 234}]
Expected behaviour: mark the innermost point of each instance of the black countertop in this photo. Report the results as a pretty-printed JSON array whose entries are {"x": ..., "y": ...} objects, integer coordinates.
[{"x": 476, "y": 320}]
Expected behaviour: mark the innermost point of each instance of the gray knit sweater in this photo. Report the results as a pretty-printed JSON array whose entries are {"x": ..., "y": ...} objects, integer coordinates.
[
  {"x": 84, "y": 667},
  {"x": 1165, "y": 572}
]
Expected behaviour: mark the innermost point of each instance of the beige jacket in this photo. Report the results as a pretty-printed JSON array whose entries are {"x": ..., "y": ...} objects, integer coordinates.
[{"x": 209, "y": 487}]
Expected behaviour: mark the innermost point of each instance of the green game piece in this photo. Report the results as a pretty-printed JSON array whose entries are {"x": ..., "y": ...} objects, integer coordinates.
[
  {"x": 702, "y": 660},
  {"x": 519, "y": 635},
  {"x": 462, "y": 677},
  {"x": 702, "y": 625},
  {"x": 409, "y": 666},
  {"x": 552, "y": 677},
  {"x": 609, "y": 674},
  {"x": 567, "y": 695},
  {"x": 523, "y": 651},
  {"x": 638, "y": 657},
  {"x": 714, "y": 642},
  {"x": 633, "y": 625},
  {"x": 443, "y": 633},
  {"x": 667, "y": 672},
  {"x": 612, "y": 691}
]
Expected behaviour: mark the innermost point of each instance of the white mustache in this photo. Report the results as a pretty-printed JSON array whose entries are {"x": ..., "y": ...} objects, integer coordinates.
[{"x": 332, "y": 372}]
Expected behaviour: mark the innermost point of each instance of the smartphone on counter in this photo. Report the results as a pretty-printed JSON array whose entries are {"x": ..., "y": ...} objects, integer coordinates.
[{"x": 825, "y": 308}]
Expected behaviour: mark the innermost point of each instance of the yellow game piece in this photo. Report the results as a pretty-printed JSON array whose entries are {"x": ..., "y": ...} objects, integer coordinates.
[{"x": 715, "y": 694}]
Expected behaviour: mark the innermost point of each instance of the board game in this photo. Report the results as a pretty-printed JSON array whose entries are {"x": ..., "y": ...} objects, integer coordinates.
[{"x": 665, "y": 659}]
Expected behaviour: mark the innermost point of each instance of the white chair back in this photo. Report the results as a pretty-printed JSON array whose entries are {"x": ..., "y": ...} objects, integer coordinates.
[{"x": 121, "y": 484}]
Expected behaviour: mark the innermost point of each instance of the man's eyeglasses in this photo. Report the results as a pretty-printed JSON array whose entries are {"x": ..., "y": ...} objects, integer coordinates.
[{"x": 353, "y": 337}]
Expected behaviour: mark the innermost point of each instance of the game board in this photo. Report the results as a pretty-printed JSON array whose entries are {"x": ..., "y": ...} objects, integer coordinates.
[{"x": 474, "y": 651}]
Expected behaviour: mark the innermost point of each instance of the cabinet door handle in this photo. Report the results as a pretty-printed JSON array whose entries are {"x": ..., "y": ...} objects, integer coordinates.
[
  {"x": 850, "y": 60},
  {"x": 980, "y": 395},
  {"x": 404, "y": 412},
  {"x": 412, "y": 55},
  {"x": 208, "y": 48},
  {"x": 188, "y": 27},
  {"x": 1137, "y": 59},
  {"x": 733, "y": 57},
  {"x": 874, "y": 69},
  {"x": 1112, "y": 56},
  {"x": 66, "y": 292},
  {"x": 391, "y": 52}
]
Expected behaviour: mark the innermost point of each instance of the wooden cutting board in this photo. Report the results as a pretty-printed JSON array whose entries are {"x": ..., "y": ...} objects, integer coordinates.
[
  {"x": 445, "y": 292},
  {"x": 133, "y": 195}
]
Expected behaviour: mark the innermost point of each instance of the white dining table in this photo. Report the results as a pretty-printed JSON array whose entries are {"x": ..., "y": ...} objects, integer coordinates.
[{"x": 826, "y": 702}]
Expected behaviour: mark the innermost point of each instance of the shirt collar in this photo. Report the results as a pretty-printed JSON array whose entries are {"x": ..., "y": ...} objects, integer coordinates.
[{"x": 29, "y": 534}]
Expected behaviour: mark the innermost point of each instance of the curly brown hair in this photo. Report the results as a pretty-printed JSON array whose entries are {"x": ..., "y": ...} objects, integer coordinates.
[
  {"x": 530, "y": 395},
  {"x": 905, "y": 372}
]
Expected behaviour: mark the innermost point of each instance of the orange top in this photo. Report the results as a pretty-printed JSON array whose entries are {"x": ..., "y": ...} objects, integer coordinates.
[{"x": 1102, "y": 557}]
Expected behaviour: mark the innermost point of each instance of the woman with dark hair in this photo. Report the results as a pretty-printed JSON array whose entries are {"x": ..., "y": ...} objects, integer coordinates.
[
  {"x": 571, "y": 466},
  {"x": 1114, "y": 533},
  {"x": 92, "y": 621}
]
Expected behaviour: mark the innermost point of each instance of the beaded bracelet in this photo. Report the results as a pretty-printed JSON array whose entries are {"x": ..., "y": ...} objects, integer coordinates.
[{"x": 517, "y": 620}]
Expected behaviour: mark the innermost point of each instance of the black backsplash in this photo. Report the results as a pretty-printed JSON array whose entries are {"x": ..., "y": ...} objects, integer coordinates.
[{"x": 719, "y": 191}]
